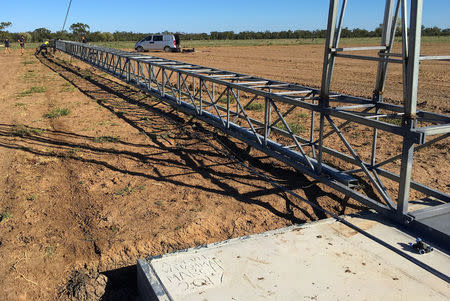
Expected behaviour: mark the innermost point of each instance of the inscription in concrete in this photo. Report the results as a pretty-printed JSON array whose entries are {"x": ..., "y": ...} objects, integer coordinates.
[{"x": 190, "y": 275}]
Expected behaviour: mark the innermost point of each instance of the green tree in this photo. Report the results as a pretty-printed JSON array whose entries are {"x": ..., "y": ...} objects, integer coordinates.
[
  {"x": 40, "y": 34},
  {"x": 431, "y": 31},
  {"x": 4, "y": 25},
  {"x": 63, "y": 35},
  {"x": 399, "y": 28},
  {"x": 107, "y": 36},
  {"x": 79, "y": 29},
  {"x": 26, "y": 35}
]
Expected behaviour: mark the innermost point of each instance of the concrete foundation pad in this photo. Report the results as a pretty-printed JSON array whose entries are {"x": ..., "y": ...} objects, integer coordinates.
[{"x": 325, "y": 260}]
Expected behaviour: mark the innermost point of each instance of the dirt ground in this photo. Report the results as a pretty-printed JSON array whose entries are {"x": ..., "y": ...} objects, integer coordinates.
[
  {"x": 302, "y": 64},
  {"x": 95, "y": 175}
]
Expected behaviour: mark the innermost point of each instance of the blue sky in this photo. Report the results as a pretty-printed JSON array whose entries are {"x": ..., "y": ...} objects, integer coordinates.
[{"x": 201, "y": 15}]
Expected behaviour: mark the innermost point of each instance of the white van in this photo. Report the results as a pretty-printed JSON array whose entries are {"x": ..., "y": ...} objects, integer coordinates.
[{"x": 166, "y": 42}]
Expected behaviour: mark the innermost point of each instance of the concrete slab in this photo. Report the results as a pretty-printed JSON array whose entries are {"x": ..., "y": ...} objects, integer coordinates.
[{"x": 325, "y": 260}]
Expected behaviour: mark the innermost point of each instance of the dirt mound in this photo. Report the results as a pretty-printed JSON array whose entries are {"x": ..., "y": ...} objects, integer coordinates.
[{"x": 84, "y": 286}]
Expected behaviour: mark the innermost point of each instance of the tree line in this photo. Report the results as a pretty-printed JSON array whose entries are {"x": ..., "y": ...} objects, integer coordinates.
[{"x": 77, "y": 30}]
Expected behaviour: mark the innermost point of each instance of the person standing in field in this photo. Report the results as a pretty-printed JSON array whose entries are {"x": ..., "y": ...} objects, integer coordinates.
[
  {"x": 7, "y": 46},
  {"x": 83, "y": 39},
  {"x": 21, "y": 41}
]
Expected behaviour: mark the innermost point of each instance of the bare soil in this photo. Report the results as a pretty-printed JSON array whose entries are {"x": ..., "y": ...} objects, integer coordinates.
[
  {"x": 122, "y": 176},
  {"x": 302, "y": 64}
]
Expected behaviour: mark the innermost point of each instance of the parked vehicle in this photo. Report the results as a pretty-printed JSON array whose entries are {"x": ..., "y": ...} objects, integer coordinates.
[{"x": 166, "y": 42}]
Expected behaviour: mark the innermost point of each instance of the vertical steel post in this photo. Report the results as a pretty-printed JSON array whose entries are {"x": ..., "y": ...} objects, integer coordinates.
[
  {"x": 319, "y": 156},
  {"x": 228, "y": 107},
  {"x": 128, "y": 62},
  {"x": 179, "y": 86},
  {"x": 405, "y": 176},
  {"x": 193, "y": 90},
  {"x": 373, "y": 158},
  {"x": 237, "y": 102},
  {"x": 387, "y": 39},
  {"x": 386, "y": 35},
  {"x": 139, "y": 73},
  {"x": 404, "y": 44},
  {"x": 213, "y": 93},
  {"x": 149, "y": 79},
  {"x": 329, "y": 58},
  {"x": 311, "y": 132},
  {"x": 200, "y": 93},
  {"x": 410, "y": 103},
  {"x": 267, "y": 120},
  {"x": 163, "y": 81},
  {"x": 341, "y": 20},
  {"x": 327, "y": 72},
  {"x": 269, "y": 129},
  {"x": 412, "y": 70}
]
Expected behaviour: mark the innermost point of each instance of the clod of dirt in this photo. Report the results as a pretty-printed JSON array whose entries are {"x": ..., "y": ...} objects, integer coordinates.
[{"x": 84, "y": 286}]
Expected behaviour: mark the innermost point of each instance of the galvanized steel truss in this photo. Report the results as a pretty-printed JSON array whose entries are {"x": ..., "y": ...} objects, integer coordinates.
[{"x": 280, "y": 119}]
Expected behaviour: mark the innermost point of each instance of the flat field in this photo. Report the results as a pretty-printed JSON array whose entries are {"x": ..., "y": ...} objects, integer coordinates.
[
  {"x": 274, "y": 42},
  {"x": 95, "y": 174}
]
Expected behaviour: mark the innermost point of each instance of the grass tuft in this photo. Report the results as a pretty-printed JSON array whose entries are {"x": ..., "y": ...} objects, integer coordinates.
[
  {"x": 395, "y": 121},
  {"x": 103, "y": 139},
  {"x": 67, "y": 88},
  {"x": 303, "y": 115},
  {"x": 20, "y": 104},
  {"x": 57, "y": 112},
  {"x": 254, "y": 106},
  {"x": 29, "y": 76},
  {"x": 114, "y": 229},
  {"x": 224, "y": 99},
  {"x": 4, "y": 216},
  {"x": 32, "y": 90},
  {"x": 125, "y": 191},
  {"x": 24, "y": 131},
  {"x": 295, "y": 127},
  {"x": 50, "y": 251}
]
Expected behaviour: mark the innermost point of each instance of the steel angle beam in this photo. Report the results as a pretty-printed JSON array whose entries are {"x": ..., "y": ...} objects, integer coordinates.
[
  {"x": 359, "y": 48},
  {"x": 435, "y": 57},
  {"x": 433, "y": 211},
  {"x": 369, "y": 58},
  {"x": 434, "y": 129}
]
